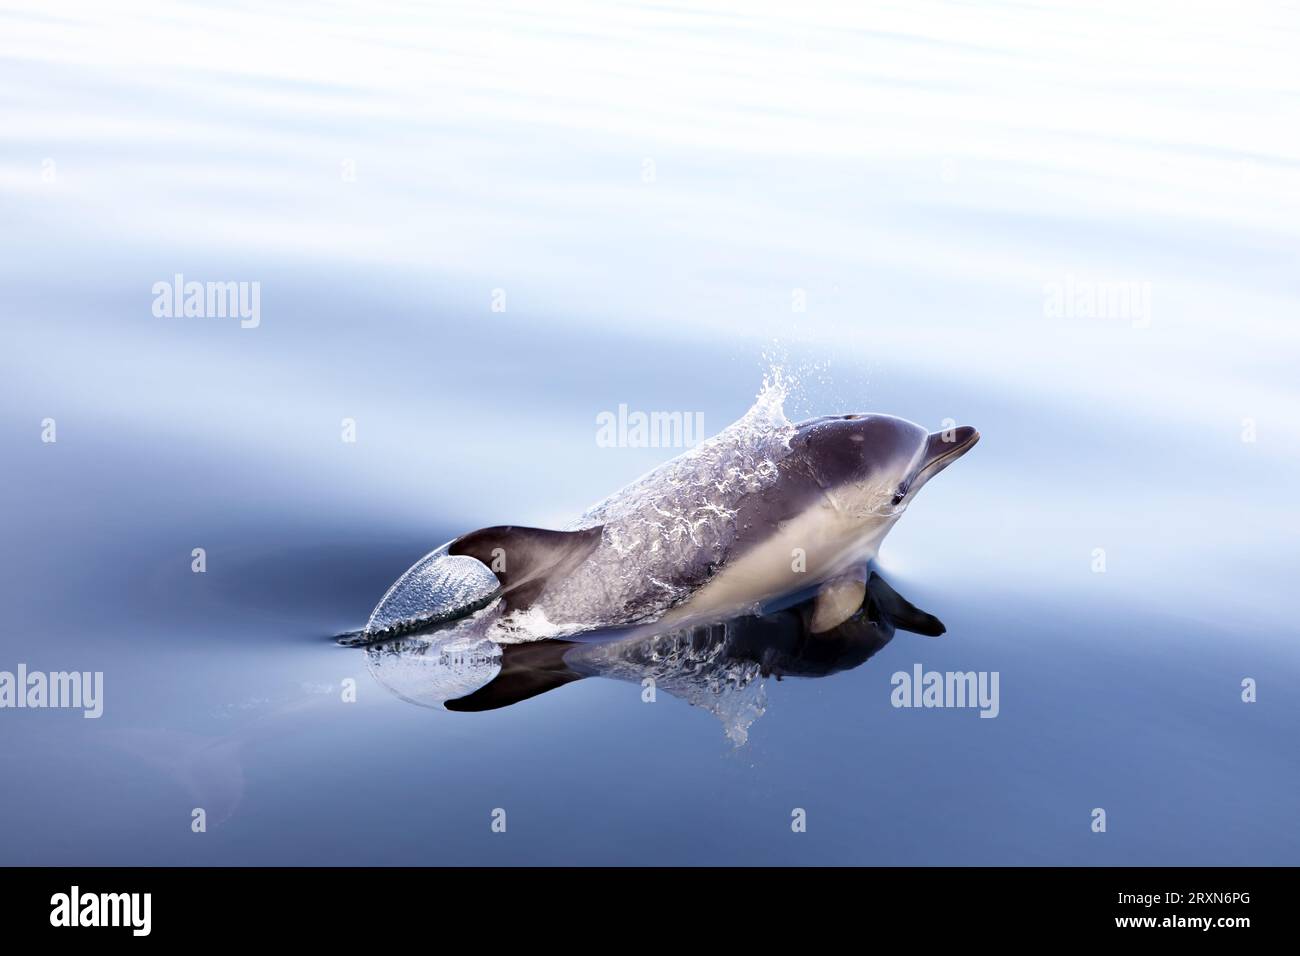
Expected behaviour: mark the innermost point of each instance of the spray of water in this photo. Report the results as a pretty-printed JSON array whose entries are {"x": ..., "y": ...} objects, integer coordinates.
[{"x": 662, "y": 532}]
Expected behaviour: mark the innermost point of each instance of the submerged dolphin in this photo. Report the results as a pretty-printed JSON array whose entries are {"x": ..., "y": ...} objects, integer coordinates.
[
  {"x": 759, "y": 511},
  {"x": 775, "y": 644},
  {"x": 719, "y": 667}
]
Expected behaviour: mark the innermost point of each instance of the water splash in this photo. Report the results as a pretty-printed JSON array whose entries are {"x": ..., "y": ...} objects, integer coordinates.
[
  {"x": 694, "y": 665},
  {"x": 663, "y": 533},
  {"x": 439, "y": 587},
  {"x": 431, "y": 670}
]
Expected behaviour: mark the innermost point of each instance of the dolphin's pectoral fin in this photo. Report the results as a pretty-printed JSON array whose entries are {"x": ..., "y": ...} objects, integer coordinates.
[
  {"x": 526, "y": 559},
  {"x": 904, "y": 615},
  {"x": 838, "y": 600}
]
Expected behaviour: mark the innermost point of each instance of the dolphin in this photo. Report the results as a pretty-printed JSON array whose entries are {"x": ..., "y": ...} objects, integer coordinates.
[{"x": 759, "y": 511}]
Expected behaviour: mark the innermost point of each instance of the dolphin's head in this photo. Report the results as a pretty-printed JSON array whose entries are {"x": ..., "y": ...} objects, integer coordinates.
[{"x": 872, "y": 466}]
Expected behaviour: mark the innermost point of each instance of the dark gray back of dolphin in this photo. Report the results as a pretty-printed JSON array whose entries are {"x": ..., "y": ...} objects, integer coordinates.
[{"x": 825, "y": 453}]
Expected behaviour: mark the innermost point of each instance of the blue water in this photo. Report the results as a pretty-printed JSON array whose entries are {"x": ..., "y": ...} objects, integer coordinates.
[{"x": 655, "y": 189}]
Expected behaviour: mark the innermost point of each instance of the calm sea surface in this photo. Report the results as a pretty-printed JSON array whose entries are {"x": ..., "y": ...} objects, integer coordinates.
[{"x": 475, "y": 228}]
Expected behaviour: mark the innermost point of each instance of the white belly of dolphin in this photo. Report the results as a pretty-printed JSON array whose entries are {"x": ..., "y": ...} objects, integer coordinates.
[{"x": 822, "y": 541}]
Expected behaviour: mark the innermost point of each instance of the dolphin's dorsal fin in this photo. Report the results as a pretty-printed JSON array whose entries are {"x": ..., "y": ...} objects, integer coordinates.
[
  {"x": 527, "y": 670},
  {"x": 902, "y": 612},
  {"x": 838, "y": 600},
  {"x": 526, "y": 559}
]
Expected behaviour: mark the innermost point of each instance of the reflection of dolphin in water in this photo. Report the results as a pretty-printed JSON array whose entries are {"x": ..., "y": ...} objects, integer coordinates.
[
  {"x": 762, "y": 510},
  {"x": 719, "y": 666}
]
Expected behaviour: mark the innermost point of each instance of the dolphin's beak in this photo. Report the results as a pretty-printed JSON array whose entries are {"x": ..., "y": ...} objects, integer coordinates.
[{"x": 942, "y": 449}]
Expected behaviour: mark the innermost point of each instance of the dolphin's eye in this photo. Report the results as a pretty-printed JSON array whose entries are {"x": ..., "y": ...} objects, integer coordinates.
[{"x": 899, "y": 495}]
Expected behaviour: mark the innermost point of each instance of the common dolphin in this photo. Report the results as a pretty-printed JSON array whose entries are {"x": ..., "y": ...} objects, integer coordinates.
[{"x": 757, "y": 512}]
